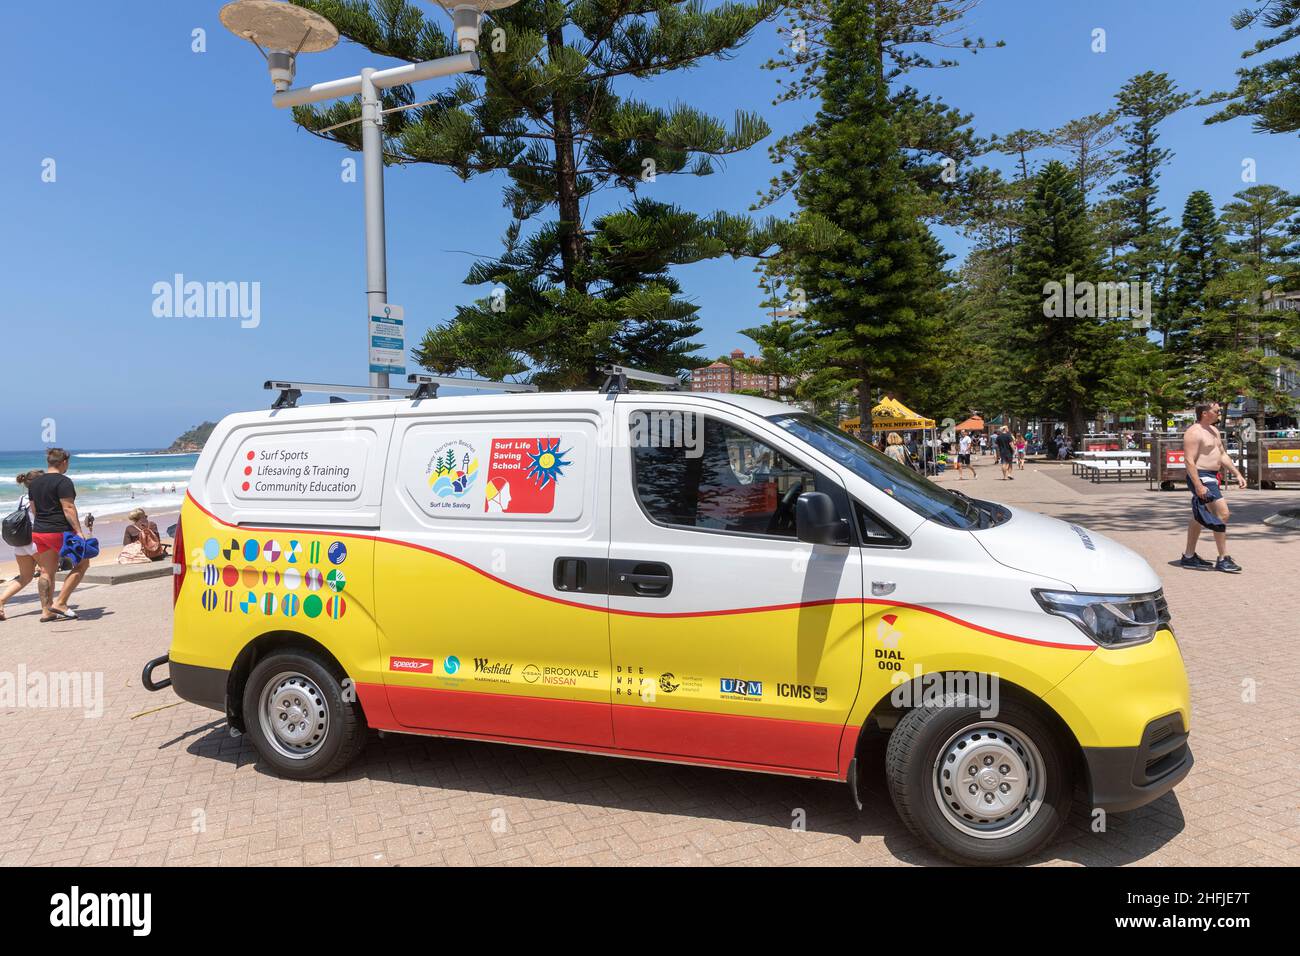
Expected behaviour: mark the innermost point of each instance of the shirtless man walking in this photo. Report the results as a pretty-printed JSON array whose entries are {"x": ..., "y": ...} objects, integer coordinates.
[{"x": 1205, "y": 457}]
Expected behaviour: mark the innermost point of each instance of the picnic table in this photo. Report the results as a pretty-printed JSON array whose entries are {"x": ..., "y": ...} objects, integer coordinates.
[
  {"x": 1098, "y": 465},
  {"x": 1080, "y": 460},
  {"x": 1119, "y": 468}
]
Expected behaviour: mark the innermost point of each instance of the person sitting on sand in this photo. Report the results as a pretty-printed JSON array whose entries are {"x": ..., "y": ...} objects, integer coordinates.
[
  {"x": 145, "y": 532},
  {"x": 24, "y": 555}
]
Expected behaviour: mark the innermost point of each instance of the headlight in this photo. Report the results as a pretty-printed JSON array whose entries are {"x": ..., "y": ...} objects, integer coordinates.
[{"x": 1112, "y": 620}]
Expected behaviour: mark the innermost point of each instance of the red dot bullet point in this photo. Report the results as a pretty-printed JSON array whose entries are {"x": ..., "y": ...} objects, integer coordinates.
[
  {"x": 248, "y": 470},
  {"x": 244, "y": 486},
  {"x": 250, "y": 456}
]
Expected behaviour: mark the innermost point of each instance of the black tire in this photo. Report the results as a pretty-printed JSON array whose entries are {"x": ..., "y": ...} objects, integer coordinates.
[
  {"x": 914, "y": 749},
  {"x": 340, "y": 723}
]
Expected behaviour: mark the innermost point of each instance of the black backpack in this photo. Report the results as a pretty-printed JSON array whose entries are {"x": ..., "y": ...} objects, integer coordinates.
[{"x": 17, "y": 527}]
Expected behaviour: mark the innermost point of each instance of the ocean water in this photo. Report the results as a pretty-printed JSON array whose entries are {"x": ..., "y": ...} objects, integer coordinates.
[{"x": 108, "y": 482}]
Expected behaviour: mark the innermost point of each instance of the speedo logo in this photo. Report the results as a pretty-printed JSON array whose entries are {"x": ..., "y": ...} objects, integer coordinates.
[{"x": 410, "y": 665}]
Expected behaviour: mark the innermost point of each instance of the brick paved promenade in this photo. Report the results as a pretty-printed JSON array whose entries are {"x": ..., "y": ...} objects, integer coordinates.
[{"x": 142, "y": 785}]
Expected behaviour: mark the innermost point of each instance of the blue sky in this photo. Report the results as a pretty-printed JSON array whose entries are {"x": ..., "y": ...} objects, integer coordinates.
[{"x": 173, "y": 161}]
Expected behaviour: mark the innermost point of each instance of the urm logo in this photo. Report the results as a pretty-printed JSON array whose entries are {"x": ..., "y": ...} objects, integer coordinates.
[{"x": 742, "y": 688}]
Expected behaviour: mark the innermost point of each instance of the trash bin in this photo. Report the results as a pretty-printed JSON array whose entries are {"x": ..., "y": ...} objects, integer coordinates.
[{"x": 1273, "y": 460}]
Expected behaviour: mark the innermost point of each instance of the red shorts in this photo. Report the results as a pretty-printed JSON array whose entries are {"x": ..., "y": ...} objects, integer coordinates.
[{"x": 47, "y": 540}]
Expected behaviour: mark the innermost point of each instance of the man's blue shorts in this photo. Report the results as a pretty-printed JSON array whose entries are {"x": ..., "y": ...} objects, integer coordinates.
[{"x": 1201, "y": 509}]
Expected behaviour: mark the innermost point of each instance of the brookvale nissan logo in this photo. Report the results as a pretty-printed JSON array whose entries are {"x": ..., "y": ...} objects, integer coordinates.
[{"x": 75, "y": 908}]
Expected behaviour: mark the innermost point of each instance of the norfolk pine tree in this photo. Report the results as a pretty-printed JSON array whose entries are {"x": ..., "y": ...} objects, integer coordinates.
[
  {"x": 548, "y": 116},
  {"x": 874, "y": 291}
]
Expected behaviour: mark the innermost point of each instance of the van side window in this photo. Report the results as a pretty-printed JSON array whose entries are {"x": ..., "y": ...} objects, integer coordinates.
[
  {"x": 723, "y": 479},
  {"x": 876, "y": 532}
]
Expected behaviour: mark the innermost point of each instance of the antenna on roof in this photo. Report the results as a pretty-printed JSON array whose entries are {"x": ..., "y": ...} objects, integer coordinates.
[{"x": 617, "y": 377}]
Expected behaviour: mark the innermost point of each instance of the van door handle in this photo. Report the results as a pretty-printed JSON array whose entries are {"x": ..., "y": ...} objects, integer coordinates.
[
  {"x": 579, "y": 574},
  {"x": 640, "y": 578}
]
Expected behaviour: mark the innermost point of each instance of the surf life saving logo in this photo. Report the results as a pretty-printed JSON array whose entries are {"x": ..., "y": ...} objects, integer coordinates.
[
  {"x": 885, "y": 632},
  {"x": 451, "y": 474},
  {"x": 523, "y": 474}
]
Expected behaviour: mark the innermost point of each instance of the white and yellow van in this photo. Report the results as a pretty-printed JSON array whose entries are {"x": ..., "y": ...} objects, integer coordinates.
[{"x": 709, "y": 579}]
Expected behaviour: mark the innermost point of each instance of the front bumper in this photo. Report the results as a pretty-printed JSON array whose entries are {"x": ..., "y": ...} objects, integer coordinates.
[{"x": 1125, "y": 778}]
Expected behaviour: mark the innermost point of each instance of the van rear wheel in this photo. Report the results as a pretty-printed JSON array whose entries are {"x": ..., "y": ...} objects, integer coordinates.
[
  {"x": 299, "y": 718},
  {"x": 979, "y": 790}
]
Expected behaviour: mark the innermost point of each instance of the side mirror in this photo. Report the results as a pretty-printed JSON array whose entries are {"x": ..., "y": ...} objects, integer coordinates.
[{"x": 815, "y": 519}]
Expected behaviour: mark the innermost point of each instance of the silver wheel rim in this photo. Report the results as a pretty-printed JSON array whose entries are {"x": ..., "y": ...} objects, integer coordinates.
[
  {"x": 989, "y": 780},
  {"x": 294, "y": 716}
]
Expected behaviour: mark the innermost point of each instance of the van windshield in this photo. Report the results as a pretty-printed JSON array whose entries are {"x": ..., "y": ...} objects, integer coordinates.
[{"x": 917, "y": 492}]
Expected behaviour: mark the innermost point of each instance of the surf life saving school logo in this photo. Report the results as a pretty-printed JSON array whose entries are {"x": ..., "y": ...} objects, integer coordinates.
[{"x": 522, "y": 475}]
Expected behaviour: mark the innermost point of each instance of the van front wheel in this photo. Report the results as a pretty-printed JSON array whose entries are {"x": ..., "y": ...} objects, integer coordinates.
[
  {"x": 299, "y": 718},
  {"x": 979, "y": 790}
]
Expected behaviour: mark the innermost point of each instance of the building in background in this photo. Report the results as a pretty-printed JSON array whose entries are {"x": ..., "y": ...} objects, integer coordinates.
[
  {"x": 723, "y": 376},
  {"x": 1287, "y": 379}
]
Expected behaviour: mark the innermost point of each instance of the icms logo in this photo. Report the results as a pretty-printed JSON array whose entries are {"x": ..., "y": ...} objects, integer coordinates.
[
  {"x": 742, "y": 688},
  {"x": 451, "y": 664}
]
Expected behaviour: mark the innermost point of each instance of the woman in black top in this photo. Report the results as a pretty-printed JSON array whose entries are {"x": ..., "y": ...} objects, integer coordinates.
[{"x": 54, "y": 503}]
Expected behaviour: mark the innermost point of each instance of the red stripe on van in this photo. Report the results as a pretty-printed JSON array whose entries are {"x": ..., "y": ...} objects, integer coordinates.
[
  {"x": 728, "y": 737},
  {"x": 526, "y": 718},
  {"x": 769, "y": 736},
  {"x": 660, "y": 614}
]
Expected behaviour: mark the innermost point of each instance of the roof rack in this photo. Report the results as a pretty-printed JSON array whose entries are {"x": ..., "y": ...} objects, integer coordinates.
[
  {"x": 426, "y": 386},
  {"x": 617, "y": 377}
]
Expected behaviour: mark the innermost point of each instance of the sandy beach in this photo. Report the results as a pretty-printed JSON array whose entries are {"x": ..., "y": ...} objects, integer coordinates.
[{"x": 107, "y": 530}]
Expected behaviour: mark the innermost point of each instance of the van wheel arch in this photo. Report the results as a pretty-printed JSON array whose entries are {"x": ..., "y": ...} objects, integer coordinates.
[
  {"x": 884, "y": 716},
  {"x": 258, "y": 648}
]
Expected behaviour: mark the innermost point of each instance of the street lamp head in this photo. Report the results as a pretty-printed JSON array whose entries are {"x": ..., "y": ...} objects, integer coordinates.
[
  {"x": 466, "y": 15},
  {"x": 281, "y": 31}
]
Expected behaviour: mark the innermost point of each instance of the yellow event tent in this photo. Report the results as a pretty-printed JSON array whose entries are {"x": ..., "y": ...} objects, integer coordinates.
[
  {"x": 890, "y": 414},
  {"x": 893, "y": 415}
]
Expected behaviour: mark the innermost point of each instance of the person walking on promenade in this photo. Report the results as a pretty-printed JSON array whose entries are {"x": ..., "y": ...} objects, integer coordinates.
[
  {"x": 54, "y": 499},
  {"x": 1020, "y": 444},
  {"x": 1205, "y": 458},
  {"x": 964, "y": 445},
  {"x": 1006, "y": 454},
  {"x": 25, "y": 554}
]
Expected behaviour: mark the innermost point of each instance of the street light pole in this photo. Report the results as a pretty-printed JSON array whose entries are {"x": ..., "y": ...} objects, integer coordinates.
[
  {"x": 282, "y": 31},
  {"x": 372, "y": 161}
]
